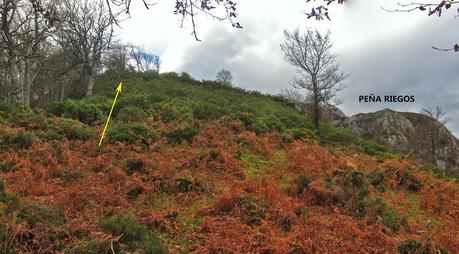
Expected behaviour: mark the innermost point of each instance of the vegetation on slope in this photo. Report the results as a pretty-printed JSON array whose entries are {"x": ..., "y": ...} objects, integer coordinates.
[{"x": 197, "y": 167}]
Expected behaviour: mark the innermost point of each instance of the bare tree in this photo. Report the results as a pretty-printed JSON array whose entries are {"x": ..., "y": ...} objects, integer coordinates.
[
  {"x": 438, "y": 119},
  {"x": 117, "y": 57},
  {"x": 144, "y": 61},
  {"x": 23, "y": 30},
  {"x": 225, "y": 77},
  {"x": 317, "y": 70},
  {"x": 85, "y": 32}
]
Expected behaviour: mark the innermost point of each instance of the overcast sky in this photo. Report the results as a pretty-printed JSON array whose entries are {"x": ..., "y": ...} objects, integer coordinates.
[{"x": 384, "y": 53}]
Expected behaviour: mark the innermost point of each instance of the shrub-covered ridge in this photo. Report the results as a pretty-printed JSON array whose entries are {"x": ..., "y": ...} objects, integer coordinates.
[{"x": 196, "y": 167}]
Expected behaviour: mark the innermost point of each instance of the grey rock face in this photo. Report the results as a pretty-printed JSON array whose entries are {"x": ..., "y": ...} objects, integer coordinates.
[{"x": 404, "y": 132}]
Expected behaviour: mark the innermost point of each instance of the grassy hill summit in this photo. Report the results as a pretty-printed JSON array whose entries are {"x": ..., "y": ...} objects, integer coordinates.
[{"x": 193, "y": 166}]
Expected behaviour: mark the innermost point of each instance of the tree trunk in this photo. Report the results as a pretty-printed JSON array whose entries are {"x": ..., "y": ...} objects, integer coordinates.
[
  {"x": 316, "y": 113},
  {"x": 90, "y": 85},
  {"x": 432, "y": 141}
]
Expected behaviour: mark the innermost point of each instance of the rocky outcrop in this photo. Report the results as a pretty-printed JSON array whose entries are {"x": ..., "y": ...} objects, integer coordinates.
[{"x": 404, "y": 132}]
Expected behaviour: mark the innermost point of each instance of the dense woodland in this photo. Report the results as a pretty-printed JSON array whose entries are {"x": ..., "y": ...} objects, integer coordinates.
[{"x": 54, "y": 50}]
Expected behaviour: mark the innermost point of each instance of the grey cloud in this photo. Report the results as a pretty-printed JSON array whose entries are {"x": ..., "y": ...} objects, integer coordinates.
[
  {"x": 406, "y": 65},
  {"x": 402, "y": 64}
]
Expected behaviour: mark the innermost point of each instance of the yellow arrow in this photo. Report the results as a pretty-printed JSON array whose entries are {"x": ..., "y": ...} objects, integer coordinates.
[{"x": 118, "y": 91}]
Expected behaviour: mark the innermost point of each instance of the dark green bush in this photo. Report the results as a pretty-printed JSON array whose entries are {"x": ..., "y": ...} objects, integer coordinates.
[
  {"x": 253, "y": 210},
  {"x": 259, "y": 126},
  {"x": 10, "y": 202},
  {"x": 303, "y": 183},
  {"x": 376, "y": 178},
  {"x": 76, "y": 109},
  {"x": 393, "y": 220},
  {"x": 331, "y": 135},
  {"x": 137, "y": 100},
  {"x": 133, "y": 193},
  {"x": 130, "y": 114},
  {"x": 134, "y": 165},
  {"x": 351, "y": 190},
  {"x": 180, "y": 135},
  {"x": 29, "y": 120},
  {"x": 185, "y": 185},
  {"x": 131, "y": 133},
  {"x": 410, "y": 246},
  {"x": 370, "y": 147},
  {"x": 6, "y": 165},
  {"x": 134, "y": 235},
  {"x": 8, "y": 107},
  {"x": 409, "y": 182},
  {"x": 274, "y": 123},
  {"x": 16, "y": 139},
  {"x": 301, "y": 133},
  {"x": 72, "y": 129},
  {"x": 35, "y": 213},
  {"x": 207, "y": 111},
  {"x": 246, "y": 118},
  {"x": 433, "y": 168}
]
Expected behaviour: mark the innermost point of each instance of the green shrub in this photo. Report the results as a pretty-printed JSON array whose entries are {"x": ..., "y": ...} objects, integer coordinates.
[
  {"x": 433, "y": 168},
  {"x": 76, "y": 109},
  {"x": 376, "y": 178},
  {"x": 351, "y": 190},
  {"x": 410, "y": 246},
  {"x": 72, "y": 129},
  {"x": 393, "y": 220},
  {"x": 152, "y": 245},
  {"x": 131, "y": 133},
  {"x": 303, "y": 183},
  {"x": 259, "y": 126},
  {"x": 409, "y": 182},
  {"x": 8, "y": 107},
  {"x": 253, "y": 210},
  {"x": 133, "y": 193},
  {"x": 52, "y": 134},
  {"x": 174, "y": 110},
  {"x": 10, "y": 202},
  {"x": 301, "y": 133},
  {"x": 136, "y": 100},
  {"x": 132, "y": 234},
  {"x": 17, "y": 139},
  {"x": 29, "y": 120},
  {"x": 134, "y": 165},
  {"x": 207, "y": 111},
  {"x": 273, "y": 123},
  {"x": 56, "y": 108},
  {"x": 180, "y": 135},
  {"x": 130, "y": 114},
  {"x": 371, "y": 147},
  {"x": 185, "y": 185},
  {"x": 91, "y": 247},
  {"x": 246, "y": 118},
  {"x": 332, "y": 135},
  {"x": 35, "y": 213},
  {"x": 6, "y": 165}
]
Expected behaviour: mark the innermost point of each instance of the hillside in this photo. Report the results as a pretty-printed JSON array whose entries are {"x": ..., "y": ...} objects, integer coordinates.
[
  {"x": 197, "y": 167},
  {"x": 404, "y": 132}
]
